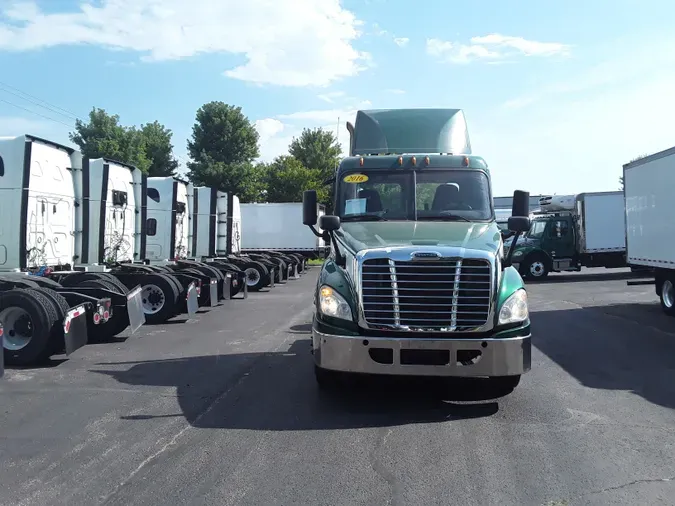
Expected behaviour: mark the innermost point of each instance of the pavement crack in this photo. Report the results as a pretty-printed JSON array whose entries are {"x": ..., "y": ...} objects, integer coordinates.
[
  {"x": 633, "y": 483},
  {"x": 381, "y": 470},
  {"x": 173, "y": 442}
]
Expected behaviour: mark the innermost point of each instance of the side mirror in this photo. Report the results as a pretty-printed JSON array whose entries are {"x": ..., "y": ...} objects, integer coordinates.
[
  {"x": 309, "y": 214},
  {"x": 519, "y": 223},
  {"x": 521, "y": 204},
  {"x": 329, "y": 223}
]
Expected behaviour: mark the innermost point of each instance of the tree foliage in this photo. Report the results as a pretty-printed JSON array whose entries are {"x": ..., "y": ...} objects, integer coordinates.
[
  {"x": 148, "y": 148},
  {"x": 317, "y": 149},
  {"x": 223, "y": 146},
  {"x": 159, "y": 150},
  {"x": 287, "y": 178}
]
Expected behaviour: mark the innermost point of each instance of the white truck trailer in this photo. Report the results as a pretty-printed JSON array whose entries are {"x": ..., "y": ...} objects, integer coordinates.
[
  {"x": 649, "y": 187},
  {"x": 278, "y": 227}
]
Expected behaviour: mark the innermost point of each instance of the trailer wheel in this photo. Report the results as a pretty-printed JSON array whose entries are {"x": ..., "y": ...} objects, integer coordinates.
[
  {"x": 159, "y": 298},
  {"x": 668, "y": 297},
  {"x": 28, "y": 318}
]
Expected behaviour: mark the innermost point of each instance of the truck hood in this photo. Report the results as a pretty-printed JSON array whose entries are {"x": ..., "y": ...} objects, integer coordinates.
[{"x": 359, "y": 236}]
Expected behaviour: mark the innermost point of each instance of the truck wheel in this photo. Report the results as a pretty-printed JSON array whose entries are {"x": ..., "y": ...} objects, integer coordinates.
[
  {"x": 121, "y": 287},
  {"x": 159, "y": 298},
  {"x": 668, "y": 297},
  {"x": 256, "y": 276},
  {"x": 58, "y": 343},
  {"x": 535, "y": 267},
  {"x": 29, "y": 319},
  {"x": 501, "y": 386}
]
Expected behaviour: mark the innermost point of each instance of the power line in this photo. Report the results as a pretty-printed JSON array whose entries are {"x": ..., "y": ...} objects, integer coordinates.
[
  {"x": 37, "y": 113},
  {"x": 52, "y": 107}
]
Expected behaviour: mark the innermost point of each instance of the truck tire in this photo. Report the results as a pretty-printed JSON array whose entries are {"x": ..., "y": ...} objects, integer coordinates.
[
  {"x": 58, "y": 343},
  {"x": 257, "y": 276},
  {"x": 667, "y": 296},
  {"x": 159, "y": 297},
  {"x": 535, "y": 267},
  {"x": 121, "y": 287},
  {"x": 29, "y": 319}
]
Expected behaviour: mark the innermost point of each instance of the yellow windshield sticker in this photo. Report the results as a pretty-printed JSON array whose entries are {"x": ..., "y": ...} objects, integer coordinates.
[{"x": 355, "y": 178}]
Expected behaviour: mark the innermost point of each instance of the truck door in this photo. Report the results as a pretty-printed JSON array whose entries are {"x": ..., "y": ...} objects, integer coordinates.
[{"x": 560, "y": 238}]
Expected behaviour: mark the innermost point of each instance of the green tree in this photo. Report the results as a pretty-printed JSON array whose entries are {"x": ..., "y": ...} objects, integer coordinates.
[
  {"x": 159, "y": 150},
  {"x": 224, "y": 134},
  {"x": 317, "y": 149},
  {"x": 223, "y": 146},
  {"x": 244, "y": 179},
  {"x": 287, "y": 178},
  {"x": 103, "y": 136}
]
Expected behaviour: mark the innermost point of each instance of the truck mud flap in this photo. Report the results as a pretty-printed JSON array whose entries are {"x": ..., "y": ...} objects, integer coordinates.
[
  {"x": 135, "y": 308},
  {"x": 273, "y": 274},
  {"x": 295, "y": 272},
  {"x": 245, "y": 288},
  {"x": 75, "y": 329},
  {"x": 213, "y": 292},
  {"x": 227, "y": 286},
  {"x": 192, "y": 300}
]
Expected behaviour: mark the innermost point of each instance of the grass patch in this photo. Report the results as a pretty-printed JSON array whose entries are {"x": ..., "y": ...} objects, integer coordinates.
[{"x": 315, "y": 261}]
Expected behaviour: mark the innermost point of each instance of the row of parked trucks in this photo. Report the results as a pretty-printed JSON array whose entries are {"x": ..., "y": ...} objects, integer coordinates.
[{"x": 90, "y": 247}]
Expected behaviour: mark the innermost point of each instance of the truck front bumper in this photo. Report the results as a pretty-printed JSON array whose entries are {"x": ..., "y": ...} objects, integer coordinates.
[{"x": 422, "y": 356}]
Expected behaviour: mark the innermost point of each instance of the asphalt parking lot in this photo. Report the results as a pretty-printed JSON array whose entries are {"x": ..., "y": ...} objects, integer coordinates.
[{"x": 224, "y": 410}]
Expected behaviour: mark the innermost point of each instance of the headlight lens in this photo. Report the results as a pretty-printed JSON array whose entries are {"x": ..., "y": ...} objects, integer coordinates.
[
  {"x": 514, "y": 309},
  {"x": 333, "y": 304}
]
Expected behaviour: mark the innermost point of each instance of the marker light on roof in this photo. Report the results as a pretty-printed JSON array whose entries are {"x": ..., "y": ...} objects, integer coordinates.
[
  {"x": 426, "y": 160},
  {"x": 413, "y": 160},
  {"x": 465, "y": 162},
  {"x": 400, "y": 160},
  {"x": 361, "y": 162}
]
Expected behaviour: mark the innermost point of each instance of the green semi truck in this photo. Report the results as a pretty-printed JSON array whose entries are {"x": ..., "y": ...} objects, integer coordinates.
[{"x": 416, "y": 282}]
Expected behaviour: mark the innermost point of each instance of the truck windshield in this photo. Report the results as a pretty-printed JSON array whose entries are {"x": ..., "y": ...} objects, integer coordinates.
[
  {"x": 438, "y": 194},
  {"x": 537, "y": 229}
]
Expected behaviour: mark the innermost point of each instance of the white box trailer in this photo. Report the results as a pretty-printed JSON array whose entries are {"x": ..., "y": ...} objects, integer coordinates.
[
  {"x": 649, "y": 187},
  {"x": 278, "y": 227},
  {"x": 601, "y": 222}
]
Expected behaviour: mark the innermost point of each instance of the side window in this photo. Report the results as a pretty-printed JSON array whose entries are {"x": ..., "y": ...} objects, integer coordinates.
[
  {"x": 153, "y": 193},
  {"x": 151, "y": 226},
  {"x": 2, "y": 167},
  {"x": 560, "y": 229}
]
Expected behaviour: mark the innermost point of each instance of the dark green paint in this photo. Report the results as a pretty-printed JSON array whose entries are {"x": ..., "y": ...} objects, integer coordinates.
[
  {"x": 389, "y": 162},
  {"x": 358, "y": 236}
]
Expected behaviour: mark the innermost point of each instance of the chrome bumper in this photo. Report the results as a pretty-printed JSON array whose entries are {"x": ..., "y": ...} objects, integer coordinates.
[{"x": 403, "y": 356}]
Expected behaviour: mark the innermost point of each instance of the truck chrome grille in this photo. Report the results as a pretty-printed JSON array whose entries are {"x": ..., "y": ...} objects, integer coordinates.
[{"x": 450, "y": 295}]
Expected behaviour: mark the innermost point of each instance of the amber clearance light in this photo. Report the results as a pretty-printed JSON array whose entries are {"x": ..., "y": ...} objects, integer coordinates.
[{"x": 400, "y": 160}]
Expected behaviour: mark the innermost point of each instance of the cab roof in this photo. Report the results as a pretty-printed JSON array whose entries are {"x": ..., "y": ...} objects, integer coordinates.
[{"x": 419, "y": 131}]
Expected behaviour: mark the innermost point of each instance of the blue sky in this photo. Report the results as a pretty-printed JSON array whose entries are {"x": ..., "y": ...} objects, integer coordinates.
[{"x": 557, "y": 95}]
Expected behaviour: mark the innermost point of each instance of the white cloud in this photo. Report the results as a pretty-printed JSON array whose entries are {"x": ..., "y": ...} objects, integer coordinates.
[
  {"x": 401, "y": 41},
  {"x": 493, "y": 48},
  {"x": 331, "y": 96},
  {"x": 292, "y": 125},
  {"x": 286, "y": 42}
]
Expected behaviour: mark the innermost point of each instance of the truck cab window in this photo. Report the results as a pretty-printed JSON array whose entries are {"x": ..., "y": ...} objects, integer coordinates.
[
  {"x": 559, "y": 229},
  {"x": 383, "y": 194},
  {"x": 153, "y": 193},
  {"x": 151, "y": 226}
]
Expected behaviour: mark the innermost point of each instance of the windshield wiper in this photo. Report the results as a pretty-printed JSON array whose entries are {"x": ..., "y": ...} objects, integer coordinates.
[
  {"x": 443, "y": 217},
  {"x": 364, "y": 217}
]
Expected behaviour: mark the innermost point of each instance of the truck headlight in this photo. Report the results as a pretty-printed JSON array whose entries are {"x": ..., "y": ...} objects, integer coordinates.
[
  {"x": 333, "y": 304},
  {"x": 514, "y": 309}
]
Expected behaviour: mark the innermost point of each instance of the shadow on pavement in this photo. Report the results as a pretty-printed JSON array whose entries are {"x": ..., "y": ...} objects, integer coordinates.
[
  {"x": 613, "y": 347},
  {"x": 277, "y": 391}
]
